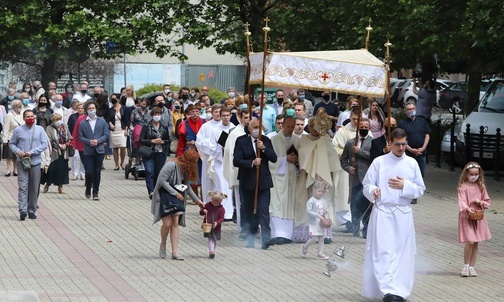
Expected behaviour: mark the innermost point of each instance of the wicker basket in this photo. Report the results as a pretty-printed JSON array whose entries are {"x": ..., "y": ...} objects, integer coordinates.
[
  {"x": 477, "y": 215},
  {"x": 325, "y": 223},
  {"x": 207, "y": 227}
]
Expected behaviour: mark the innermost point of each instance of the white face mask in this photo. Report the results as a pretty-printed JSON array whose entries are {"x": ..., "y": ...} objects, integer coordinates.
[
  {"x": 156, "y": 118},
  {"x": 58, "y": 123},
  {"x": 255, "y": 133},
  {"x": 472, "y": 178},
  {"x": 166, "y": 91},
  {"x": 231, "y": 94}
]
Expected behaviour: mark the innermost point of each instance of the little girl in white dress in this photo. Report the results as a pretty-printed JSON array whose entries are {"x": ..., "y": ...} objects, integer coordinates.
[{"x": 316, "y": 207}]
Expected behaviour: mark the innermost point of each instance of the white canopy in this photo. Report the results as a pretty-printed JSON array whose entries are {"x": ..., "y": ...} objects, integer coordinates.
[{"x": 348, "y": 71}]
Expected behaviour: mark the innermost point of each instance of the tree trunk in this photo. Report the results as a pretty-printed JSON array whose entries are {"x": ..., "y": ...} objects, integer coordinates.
[
  {"x": 473, "y": 88},
  {"x": 48, "y": 71}
]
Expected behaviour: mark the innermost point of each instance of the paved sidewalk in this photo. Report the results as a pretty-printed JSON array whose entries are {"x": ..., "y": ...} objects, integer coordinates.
[{"x": 107, "y": 250}]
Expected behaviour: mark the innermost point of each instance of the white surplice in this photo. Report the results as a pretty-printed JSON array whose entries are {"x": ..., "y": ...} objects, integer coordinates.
[
  {"x": 283, "y": 193},
  {"x": 206, "y": 143},
  {"x": 389, "y": 260},
  {"x": 218, "y": 179},
  {"x": 230, "y": 172}
]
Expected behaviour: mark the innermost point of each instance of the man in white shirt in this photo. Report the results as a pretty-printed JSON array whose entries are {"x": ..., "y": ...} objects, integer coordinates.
[{"x": 82, "y": 95}]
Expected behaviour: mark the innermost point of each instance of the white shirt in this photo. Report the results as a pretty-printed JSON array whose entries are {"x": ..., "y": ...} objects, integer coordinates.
[
  {"x": 92, "y": 122},
  {"x": 82, "y": 98}
]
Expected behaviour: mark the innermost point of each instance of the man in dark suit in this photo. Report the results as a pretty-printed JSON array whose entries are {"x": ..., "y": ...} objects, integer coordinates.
[
  {"x": 245, "y": 158},
  {"x": 93, "y": 132},
  {"x": 359, "y": 204},
  {"x": 379, "y": 145}
]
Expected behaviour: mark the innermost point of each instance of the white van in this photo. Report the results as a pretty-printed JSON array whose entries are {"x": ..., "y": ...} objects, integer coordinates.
[{"x": 489, "y": 114}]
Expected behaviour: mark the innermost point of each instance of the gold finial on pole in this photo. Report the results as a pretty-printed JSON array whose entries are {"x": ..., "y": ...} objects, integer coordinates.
[
  {"x": 247, "y": 34},
  {"x": 369, "y": 30},
  {"x": 388, "y": 45}
]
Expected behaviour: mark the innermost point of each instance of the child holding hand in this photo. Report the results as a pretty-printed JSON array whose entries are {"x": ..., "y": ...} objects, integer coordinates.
[
  {"x": 214, "y": 214},
  {"x": 472, "y": 196}
]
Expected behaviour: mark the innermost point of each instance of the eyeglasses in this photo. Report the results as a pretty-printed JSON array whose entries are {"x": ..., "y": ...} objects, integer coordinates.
[
  {"x": 471, "y": 166},
  {"x": 397, "y": 144}
]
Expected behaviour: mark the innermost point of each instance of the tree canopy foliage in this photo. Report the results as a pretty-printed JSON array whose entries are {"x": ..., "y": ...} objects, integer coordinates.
[{"x": 464, "y": 35}]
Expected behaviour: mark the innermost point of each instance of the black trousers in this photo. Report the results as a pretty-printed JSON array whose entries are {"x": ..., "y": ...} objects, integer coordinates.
[
  {"x": 359, "y": 206},
  {"x": 252, "y": 221}
]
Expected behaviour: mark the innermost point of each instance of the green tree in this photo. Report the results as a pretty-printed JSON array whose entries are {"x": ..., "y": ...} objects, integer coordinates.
[{"x": 45, "y": 31}]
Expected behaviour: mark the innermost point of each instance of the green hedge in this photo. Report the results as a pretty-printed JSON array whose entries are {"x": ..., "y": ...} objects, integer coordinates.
[{"x": 215, "y": 94}]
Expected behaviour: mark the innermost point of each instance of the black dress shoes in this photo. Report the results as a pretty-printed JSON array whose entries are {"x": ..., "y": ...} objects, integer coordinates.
[
  {"x": 265, "y": 246},
  {"x": 22, "y": 216},
  {"x": 32, "y": 216},
  {"x": 392, "y": 298}
]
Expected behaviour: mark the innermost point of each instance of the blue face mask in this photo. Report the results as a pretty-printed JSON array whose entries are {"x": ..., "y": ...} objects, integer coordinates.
[
  {"x": 26, "y": 102},
  {"x": 170, "y": 99},
  {"x": 58, "y": 103},
  {"x": 91, "y": 113},
  {"x": 411, "y": 113},
  {"x": 290, "y": 112},
  {"x": 301, "y": 97},
  {"x": 10, "y": 97}
]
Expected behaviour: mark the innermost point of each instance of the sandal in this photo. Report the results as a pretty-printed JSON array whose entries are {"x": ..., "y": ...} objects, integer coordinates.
[
  {"x": 322, "y": 257},
  {"x": 304, "y": 250}
]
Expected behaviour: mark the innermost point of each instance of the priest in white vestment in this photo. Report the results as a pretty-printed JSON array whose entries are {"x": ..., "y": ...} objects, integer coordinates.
[
  {"x": 230, "y": 171},
  {"x": 341, "y": 177},
  {"x": 391, "y": 183},
  {"x": 206, "y": 143},
  {"x": 284, "y": 174},
  {"x": 219, "y": 181},
  {"x": 316, "y": 161}
]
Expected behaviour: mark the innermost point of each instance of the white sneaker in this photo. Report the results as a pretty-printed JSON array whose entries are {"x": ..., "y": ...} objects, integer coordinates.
[
  {"x": 465, "y": 272},
  {"x": 472, "y": 272}
]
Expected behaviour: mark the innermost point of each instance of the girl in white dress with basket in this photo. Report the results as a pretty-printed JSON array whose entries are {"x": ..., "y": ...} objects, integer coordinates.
[{"x": 316, "y": 207}]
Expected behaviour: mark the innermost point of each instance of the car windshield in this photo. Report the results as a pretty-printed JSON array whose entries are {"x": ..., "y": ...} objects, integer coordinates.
[{"x": 494, "y": 99}]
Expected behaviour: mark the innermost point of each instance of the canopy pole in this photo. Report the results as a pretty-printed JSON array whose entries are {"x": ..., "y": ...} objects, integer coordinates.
[
  {"x": 369, "y": 30},
  {"x": 266, "y": 29},
  {"x": 250, "y": 94},
  {"x": 387, "y": 57}
]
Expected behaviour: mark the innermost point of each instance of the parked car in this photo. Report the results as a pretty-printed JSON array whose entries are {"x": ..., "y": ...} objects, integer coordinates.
[
  {"x": 150, "y": 97},
  {"x": 394, "y": 91},
  {"x": 453, "y": 97},
  {"x": 489, "y": 114}
]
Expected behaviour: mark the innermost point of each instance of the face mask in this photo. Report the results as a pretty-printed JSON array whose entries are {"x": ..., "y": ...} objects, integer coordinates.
[
  {"x": 58, "y": 123},
  {"x": 192, "y": 95},
  {"x": 166, "y": 91},
  {"x": 26, "y": 102},
  {"x": 91, "y": 113},
  {"x": 280, "y": 100},
  {"x": 58, "y": 103},
  {"x": 208, "y": 116},
  {"x": 83, "y": 91},
  {"x": 160, "y": 105},
  {"x": 42, "y": 104},
  {"x": 472, "y": 178},
  {"x": 242, "y": 106},
  {"x": 143, "y": 107},
  {"x": 326, "y": 97},
  {"x": 96, "y": 95},
  {"x": 177, "y": 106},
  {"x": 301, "y": 97},
  {"x": 411, "y": 113},
  {"x": 10, "y": 97},
  {"x": 113, "y": 101},
  {"x": 30, "y": 121},
  {"x": 231, "y": 94},
  {"x": 363, "y": 132},
  {"x": 27, "y": 89},
  {"x": 169, "y": 99},
  {"x": 290, "y": 112},
  {"x": 184, "y": 96},
  {"x": 69, "y": 90},
  {"x": 156, "y": 118},
  {"x": 255, "y": 133}
]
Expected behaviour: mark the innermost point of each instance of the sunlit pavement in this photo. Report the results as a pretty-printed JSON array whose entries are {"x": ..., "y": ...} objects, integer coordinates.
[{"x": 84, "y": 250}]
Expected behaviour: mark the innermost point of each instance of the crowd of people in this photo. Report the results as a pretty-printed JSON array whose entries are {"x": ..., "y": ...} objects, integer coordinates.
[{"x": 285, "y": 172}]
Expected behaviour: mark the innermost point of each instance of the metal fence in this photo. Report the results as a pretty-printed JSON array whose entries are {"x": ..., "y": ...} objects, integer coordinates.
[{"x": 217, "y": 76}]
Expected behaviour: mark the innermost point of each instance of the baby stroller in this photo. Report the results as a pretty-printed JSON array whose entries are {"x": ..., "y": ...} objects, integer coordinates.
[{"x": 135, "y": 165}]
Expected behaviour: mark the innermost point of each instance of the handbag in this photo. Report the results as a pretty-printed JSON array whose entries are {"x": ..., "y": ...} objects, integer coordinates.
[
  {"x": 325, "y": 222},
  {"x": 477, "y": 215},
  {"x": 174, "y": 145},
  {"x": 169, "y": 204},
  {"x": 26, "y": 162},
  {"x": 71, "y": 151},
  {"x": 145, "y": 151}
]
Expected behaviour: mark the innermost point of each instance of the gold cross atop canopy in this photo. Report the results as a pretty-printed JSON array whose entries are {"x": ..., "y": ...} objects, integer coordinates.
[{"x": 247, "y": 32}]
